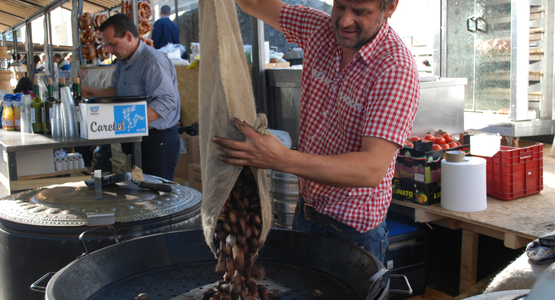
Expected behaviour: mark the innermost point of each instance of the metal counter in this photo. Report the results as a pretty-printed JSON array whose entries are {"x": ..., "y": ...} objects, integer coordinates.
[
  {"x": 12, "y": 142},
  {"x": 441, "y": 103}
]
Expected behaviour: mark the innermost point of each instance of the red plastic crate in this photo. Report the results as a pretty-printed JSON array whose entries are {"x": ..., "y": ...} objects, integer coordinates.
[{"x": 515, "y": 172}]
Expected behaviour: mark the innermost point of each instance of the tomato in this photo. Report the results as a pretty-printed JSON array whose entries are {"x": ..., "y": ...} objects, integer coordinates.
[
  {"x": 436, "y": 147},
  {"x": 448, "y": 138},
  {"x": 453, "y": 145},
  {"x": 459, "y": 144},
  {"x": 414, "y": 139},
  {"x": 439, "y": 140},
  {"x": 429, "y": 137},
  {"x": 425, "y": 141},
  {"x": 409, "y": 144},
  {"x": 445, "y": 146}
]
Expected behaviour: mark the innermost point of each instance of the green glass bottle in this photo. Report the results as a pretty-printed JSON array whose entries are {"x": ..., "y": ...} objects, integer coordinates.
[
  {"x": 77, "y": 91},
  {"x": 78, "y": 99},
  {"x": 37, "y": 122},
  {"x": 48, "y": 108}
]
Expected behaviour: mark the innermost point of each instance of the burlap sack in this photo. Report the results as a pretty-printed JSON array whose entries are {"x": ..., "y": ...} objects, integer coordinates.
[{"x": 225, "y": 92}]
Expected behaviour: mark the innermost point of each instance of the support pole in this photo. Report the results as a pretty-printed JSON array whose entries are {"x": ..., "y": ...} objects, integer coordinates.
[
  {"x": 77, "y": 10},
  {"x": 176, "y": 11},
  {"x": 48, "y": 48},
  {"x": 30, "y": 51},
  {"x": 134, "y": 5},
  {"x": 258, "y": 65}
]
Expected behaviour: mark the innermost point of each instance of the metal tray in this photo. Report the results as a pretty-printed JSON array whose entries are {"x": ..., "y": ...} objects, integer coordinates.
[{"x": 116, "y": 99}]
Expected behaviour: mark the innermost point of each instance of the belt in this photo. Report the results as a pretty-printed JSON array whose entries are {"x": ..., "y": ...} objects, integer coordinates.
[
  {"x": 167, "y": 129},
  {"x": 312, "y": 215}
]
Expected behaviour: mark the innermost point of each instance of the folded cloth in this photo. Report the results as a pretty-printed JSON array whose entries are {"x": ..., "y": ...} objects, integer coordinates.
[{"x": 542, "y": 250}]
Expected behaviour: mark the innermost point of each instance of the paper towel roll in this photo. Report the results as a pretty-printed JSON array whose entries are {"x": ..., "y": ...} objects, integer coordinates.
[
  {"x": 463, "y": 185},
  {"x": 69, "y": 163},
  {"x": 60, "y": 153},
  {"x": 58, "y": 161}
]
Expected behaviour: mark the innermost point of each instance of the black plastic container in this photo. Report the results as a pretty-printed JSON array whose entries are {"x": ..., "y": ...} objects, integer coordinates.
[{"x": 407, "y": 255}]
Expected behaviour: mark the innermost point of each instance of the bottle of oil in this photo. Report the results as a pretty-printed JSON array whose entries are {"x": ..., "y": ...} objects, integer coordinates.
[
  {"x": 7, "y": 116},
  {"x": 37, "y": 115}
]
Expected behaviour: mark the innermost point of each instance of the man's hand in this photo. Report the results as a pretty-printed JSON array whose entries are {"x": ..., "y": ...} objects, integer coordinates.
[
  {"x": 261, "y": 151},
  {"x": 90, "y": 92}
]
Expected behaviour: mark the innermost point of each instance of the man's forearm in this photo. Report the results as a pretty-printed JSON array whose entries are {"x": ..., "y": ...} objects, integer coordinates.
[
  {"x": 90, "y": 92},
  {"x": 355, "y": 169},
  {"x": 109, "y": 92},
  {"x": 151, "y": 115}
]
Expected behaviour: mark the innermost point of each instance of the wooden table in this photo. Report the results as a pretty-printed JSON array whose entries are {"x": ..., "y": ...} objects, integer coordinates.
[{"x": 516, "y": 222}]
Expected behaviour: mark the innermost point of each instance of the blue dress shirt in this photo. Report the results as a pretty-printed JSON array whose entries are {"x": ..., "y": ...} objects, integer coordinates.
[{"x": 150, "y": 73}]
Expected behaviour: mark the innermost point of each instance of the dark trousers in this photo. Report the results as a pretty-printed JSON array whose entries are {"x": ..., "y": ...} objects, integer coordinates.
[
  {"x": 159, "y": 151},
  {"x": 374, "y": 241}
]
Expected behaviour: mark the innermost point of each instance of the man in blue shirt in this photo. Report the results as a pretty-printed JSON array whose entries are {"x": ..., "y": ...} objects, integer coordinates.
[
  {"x": 142, "y": 70},
  {"x": 165, "y": 31}
]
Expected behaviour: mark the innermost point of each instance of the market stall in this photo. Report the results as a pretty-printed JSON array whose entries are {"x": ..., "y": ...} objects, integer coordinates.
[{"x": 417, "y": 184}]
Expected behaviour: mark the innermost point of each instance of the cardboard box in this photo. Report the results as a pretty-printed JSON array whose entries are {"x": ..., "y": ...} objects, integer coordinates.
[
  {"x": 113, "y": 120},
  {"x": 189, "y": 152},
  {"x": 35, "y": 162},
  {"x": 195, "y": 176},
  {"x": 423, "y": 193}
]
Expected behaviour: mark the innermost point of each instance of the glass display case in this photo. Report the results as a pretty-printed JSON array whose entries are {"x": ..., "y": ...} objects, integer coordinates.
[{"x": 505, "y": 50}]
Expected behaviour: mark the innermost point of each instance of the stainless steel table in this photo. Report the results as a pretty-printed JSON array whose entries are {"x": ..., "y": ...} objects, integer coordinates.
[{"x": 12, "y": 142}]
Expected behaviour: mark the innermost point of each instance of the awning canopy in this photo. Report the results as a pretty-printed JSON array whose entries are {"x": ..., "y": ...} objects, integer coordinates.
[{"x": 14, "y": 12}]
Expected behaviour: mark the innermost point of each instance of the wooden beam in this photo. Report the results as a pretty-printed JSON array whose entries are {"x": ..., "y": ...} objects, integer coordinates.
[
  {"x": 424, "y": 217},
  {"x": 449, "y": 223},
  {"x": 481, "y": 229},
  {"x": 469, "y": 259},
  {"x": 513, "y": 241}
]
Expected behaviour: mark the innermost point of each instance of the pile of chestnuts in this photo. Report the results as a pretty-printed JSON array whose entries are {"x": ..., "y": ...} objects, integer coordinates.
[{"x": 236, "y": 237}]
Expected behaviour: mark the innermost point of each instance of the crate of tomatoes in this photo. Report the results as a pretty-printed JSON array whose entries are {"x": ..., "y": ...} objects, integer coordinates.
[{"x": 418, "y": 168}]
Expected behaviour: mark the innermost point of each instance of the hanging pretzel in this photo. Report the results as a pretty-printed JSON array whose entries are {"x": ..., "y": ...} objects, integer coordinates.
[
  {"x": 99, "y": 19},
  {"x": 102, "y": 52},
  {"x": 145, "y": 11},
  {"x": 98, "y": 37},
  {"x": 126, "y": 8},
  {"x": 148, "y": 41},
  {"x": 88, "y": 51},
  {"x": 86, "y": 35},
  {"x": 144, "y": 28},
  {"x": 85, "y": 21}
]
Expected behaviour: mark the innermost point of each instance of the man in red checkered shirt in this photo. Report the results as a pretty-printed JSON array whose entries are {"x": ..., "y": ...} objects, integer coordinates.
[{"x": 359, "y": 96}]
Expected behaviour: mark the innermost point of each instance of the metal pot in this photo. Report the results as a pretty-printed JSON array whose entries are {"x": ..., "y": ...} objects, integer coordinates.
[
  {"x": 180, "y": 265},
  {"x": 40, "y": 228}
]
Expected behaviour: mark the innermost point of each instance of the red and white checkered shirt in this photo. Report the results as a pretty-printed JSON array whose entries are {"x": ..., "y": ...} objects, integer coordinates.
[{"x": 376, "y": 95}]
